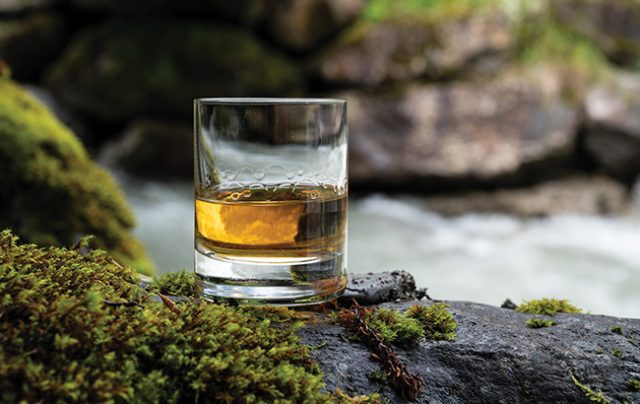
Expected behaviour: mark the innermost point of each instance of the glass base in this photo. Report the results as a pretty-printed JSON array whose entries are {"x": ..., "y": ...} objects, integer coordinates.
[{"x": 263, "y": 281}]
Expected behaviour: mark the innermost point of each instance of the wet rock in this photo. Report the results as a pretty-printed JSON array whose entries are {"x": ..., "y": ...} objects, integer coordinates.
[
  {"x": 612, "y": 138},
  {"x": 371, "y": 54},
  {"x": 154, "y": 149},
  {"x": 30, "y": 44},
  {"x": 578, "y": 195},
  {"x": 380, "y": 287},
  {"x": 128, "y": 67},
  {"x": 614, "y": 25},
  {"x": 495, "y": 358},
  {"x": 302, "y": 24},
  {"x": 513, "y": 128}
]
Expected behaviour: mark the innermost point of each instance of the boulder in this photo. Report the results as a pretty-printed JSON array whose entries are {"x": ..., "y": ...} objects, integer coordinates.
[
  {"x": 368, "y": 55},
  {"x": 300, "y": 25},
  {"x": 30, "y": 44},
  {"x": 514, "y": 129},
  {"x": 129, "y": 67},
  {"x": 154, "y": 149},
  {"x": 614, "y": 25},
  {"x": 612, "y": 114},
  {"x": 494, "y": 358},
  {"x": 51, "y": 193},
  {"x": 576, "y": 195}
]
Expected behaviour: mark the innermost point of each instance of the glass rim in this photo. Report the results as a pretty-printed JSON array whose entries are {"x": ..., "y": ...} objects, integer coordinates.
[{"x": 268, "y": 101}]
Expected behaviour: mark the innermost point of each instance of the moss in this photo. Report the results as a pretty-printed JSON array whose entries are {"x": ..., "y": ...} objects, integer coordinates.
[
  {"x": 436, "y": 321},
  {"x": 382, "y": 10},
  {"x": 181, "y": 61},
  {"x": 616, "y": 329},
  {"x": 78, "y": 327},
  {"x": 540, "y": 323},
  {"x": 593, "y": 396},
  {"x": 51, "y": 191},
  {"x": 616, "y": 352},
  {"x": 547, "y": 307},
  {"x": 394, "y": 327},
  {"x": 633, "y": 385},
  {"x": 181, "y": 283}
]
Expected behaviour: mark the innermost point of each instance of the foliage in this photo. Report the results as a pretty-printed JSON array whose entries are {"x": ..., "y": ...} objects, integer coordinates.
[
  {"x": 436, "y": 321},
  {"x": 547, "y": 307},
  {"x": 181, "y": 283},
  {"x": 596, "y": 397},
  {"x": 540, "y": 323},
  {"x": 79, "y": 328},
  {"x": 633, "y": 384},
  {"x": 394, "y": 327},
  {"x": 51, "y": 191}
]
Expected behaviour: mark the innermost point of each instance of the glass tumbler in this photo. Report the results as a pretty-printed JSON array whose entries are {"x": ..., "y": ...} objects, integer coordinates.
[{"x": 270, "y": 199}]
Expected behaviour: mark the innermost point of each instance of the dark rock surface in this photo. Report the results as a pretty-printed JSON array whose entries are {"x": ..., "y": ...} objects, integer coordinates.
[
  {"x": 495, "y": 358},
  {"x": 134, "y": 66},
  {"x": 369, "y": 55},
  {"x": 375, "y": 288},
  {"x": 612, "y": 114},
  {"x": 153, "y": 148},
  {"x": 511, "y": 128}
]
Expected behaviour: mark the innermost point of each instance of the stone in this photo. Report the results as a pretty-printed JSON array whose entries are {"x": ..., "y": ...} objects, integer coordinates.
[
  {"x": 511, "y": 129},
  {"x": 300, "y": 25},
  {"x": 368, "y": 55},
  {"x": 125, "y": 68},
  {"x": 28, "y": 45},
  {"x": 495, "y": 358},
  {"x": 51, "y": 192},
  {"x": 18, "y": 6},
  {"x": 153, "y": 149},
  {"x": 380, "y": 287},
  {"x": 612, "y": 115},
  {"x": 574, "y": 195},
  {"x": 614, "y": 25}
]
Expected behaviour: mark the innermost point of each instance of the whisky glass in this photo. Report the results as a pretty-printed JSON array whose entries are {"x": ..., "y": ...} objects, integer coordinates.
[{"x": 270, "y": 199}]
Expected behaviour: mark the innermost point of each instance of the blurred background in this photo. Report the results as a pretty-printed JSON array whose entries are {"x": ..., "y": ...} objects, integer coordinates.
[{"x": 494, "y": 144}]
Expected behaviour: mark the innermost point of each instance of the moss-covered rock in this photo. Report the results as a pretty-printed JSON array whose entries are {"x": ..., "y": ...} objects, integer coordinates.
[
  {"x": 78, "y": 328},
  {"x": 128, "y": 67},
  {"x": 29, "y": 44},
  {"x": 50, "y": 190}
]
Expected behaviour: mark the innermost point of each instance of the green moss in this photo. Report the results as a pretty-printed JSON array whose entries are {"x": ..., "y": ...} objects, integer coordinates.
[
  {"x": 394, "y": 327},
  {"x": 51, "y": 191},
  {"x": 633, "y": 385},
  {"x": 382, "y": 10},
  {"x": 540, "y": 323},
  {"x": 616, "y": 352},
  {"x": 595, "y": 397},
  {"x": 78, "y": 327},
  {"x": 180, "y": 62},
  {"x": 436, "y": 321},
  {"x": 378, "y": 376},
  {"x": 181, "y": 283},
  {"x": 547, "y": 307},
  {"x": 616, "y": 329}
]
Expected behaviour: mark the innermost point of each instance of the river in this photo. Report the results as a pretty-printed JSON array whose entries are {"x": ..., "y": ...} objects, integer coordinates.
[{"x": 591, "y": 260}]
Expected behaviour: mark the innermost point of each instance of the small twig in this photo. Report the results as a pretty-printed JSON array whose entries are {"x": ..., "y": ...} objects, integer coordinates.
[
  {"x": 405, "y": 383},
  {"x": 169, "y": 303}
]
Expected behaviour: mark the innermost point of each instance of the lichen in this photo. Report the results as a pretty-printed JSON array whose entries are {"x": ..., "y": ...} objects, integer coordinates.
[
  {"x": 50, "y": 190},
  {"x": 593, "y": 396},
  {"x": 616, "y": 352},
  {"x": 181, "y": 283},
  {"x": 394, "y": 327},
  {"x": 76, "y": 326},
  {"x": 536, "y": 322},
  {"x": 633, "y": 385},
  {"x": 436, "y": 321},
  {"x": 616, "y": 329},
  {"x": 547, "y": 307}
]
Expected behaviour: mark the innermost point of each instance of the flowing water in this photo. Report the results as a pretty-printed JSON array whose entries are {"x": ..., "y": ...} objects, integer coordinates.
[{"x": 593, "y": 261}]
